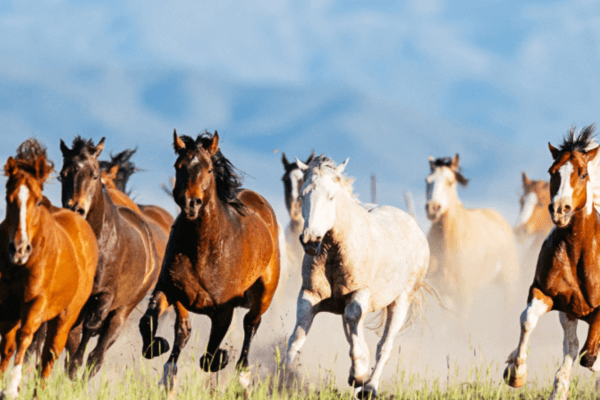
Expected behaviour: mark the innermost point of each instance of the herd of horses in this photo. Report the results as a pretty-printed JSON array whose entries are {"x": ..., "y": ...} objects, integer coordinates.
[{"x": 72, "y": 273}]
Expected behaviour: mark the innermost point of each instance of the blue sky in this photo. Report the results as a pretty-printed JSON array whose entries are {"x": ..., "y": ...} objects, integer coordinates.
[{"x": 384, "y": 83}]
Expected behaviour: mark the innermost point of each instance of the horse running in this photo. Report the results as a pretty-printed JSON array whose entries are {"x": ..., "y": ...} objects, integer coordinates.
[
  {"x": 293, "y": 178},
  {"x": 223, "y": 253},
  {"x": 128, "y": 265},
  {"x": 566, "y": 277},
  {"x": 48, "y": 258},
  {"x": 469, "y": 247},
  {"x": 534, "y": 222},
  {"x": 357, "y": 261}
]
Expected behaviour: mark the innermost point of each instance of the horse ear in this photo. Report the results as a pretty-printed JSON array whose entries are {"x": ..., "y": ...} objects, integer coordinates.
[
  {"x": 42, "y": 169},
  {"x": 284, "y": 161},
  {"x": 213, "y": 146},
  {"x": 63, "y": 148},
  {"x": 178, "y": 144},
  {"x": 553, "y": 150},
  {"x": 310, "y": 158},
  {"x": 301, "y": 165},
  {"x": 340, "y": 168},
  {"x": 112, "y": 172},
  {"x": 455, "y": 162},
  {"x": 99, "y": 147},
  {"x": 591, "y": 154},
  {"x": 11, "y": 166},
  {"x": 526, "y": 180},
  {"x": 431, "y": 163}
]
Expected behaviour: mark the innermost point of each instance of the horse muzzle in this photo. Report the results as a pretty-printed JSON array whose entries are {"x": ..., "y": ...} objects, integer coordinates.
[
  {"x": 19, "y": 254},
  {"x": 561, "y": 215},
  {"x": 433, "y": 211}
]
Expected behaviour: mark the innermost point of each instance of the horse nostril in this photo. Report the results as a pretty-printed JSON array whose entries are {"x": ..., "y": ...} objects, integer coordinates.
[
  {"x": 567, "y": 208},
  {"x": 318, "y": 238},
  {"x": 28, "y": 248},
  {"x": 197, "y": 202},
  {"x": 80, "y": 211}
]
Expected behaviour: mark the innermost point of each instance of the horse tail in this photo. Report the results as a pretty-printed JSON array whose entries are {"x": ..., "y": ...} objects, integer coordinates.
[{"x": 410, "y": 204}]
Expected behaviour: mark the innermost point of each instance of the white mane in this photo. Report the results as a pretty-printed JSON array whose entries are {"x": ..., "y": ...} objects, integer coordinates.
[
  {"x": 323, "y": 165},
  {"x": 594, "y": 176}
]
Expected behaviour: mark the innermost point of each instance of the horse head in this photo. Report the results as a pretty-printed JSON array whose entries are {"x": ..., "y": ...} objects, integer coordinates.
[
  {"x": 570, "y": 191},
  {"x": 322, "y": 184},
  {"x": 533, "y": 217},
  {"x": 26, "y": 176},
  {"x": 194, "y": 172},
  {"x": 80, "y": 174},
  {"x": 441, "y": 185},
  {"x": 293, "y": 179}
]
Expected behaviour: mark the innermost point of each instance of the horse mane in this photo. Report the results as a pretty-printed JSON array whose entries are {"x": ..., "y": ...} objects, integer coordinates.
[
  {"x": 28, "y": 154},
  {"x": 324, "y": 165},
  {"x": 80, "y": 144},
  {"x": 582, "y": 143},
  {"x": 227, "y": 180},
  {"x": 126, "y": 168},
  {"x": 447, "y": 162}
]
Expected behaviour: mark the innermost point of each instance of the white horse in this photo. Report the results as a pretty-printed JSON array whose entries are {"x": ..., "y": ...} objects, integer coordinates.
[{"x": 357, "y": 261}]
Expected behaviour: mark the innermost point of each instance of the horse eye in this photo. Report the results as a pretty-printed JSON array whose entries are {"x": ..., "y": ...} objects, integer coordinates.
[
  {"x": 584, "y": 176},
  {"x": 39, "y": 203},
  {"x": 95, "y": 176},
  {"x": 210, "y": 171}
]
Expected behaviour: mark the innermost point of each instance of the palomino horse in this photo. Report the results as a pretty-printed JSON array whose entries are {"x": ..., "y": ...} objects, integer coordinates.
[
  {"x": 293, "y": 179},
  {"x": 469, "y": 247},
  {"x": 533, "y": 224},
  {"x": 115, "y": 174},
  {"x": 223, "y": 253},
  {"x": 128, "y": 265},
  {"x": 357, "y": 261},
  {"x": 47, "y": 264},
  {"x": 566, "y": 277}
]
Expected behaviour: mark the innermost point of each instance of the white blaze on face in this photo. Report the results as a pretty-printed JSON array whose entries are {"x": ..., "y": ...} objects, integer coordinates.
[
  {"x": 23, "y": 197},
  {"x": 531, "y": 200},
  {"x": 318, "y": 206},
  {"x": 440, "y": 182},
  {"x": 565, "y": 191},
  {"x": 296, "y": 177}
]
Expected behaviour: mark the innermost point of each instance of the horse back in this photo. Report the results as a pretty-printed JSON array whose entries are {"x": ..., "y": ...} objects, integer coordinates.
[{"x": 121, "y": 199}]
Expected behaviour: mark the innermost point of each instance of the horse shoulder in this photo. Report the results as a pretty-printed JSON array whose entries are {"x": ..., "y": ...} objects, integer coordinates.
[
  {"x": 257, "y": 203},
  {"x": 78, "y": 233},
  {"x": 121, "y": 199}
]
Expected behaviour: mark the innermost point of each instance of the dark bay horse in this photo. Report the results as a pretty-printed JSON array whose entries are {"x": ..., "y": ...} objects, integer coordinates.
[
  {"x": 48, "y": 259},
  {"x": 128, "y": 265},
  {"x": 566, "y": 277},
  {"x": 223, "y": 253}
]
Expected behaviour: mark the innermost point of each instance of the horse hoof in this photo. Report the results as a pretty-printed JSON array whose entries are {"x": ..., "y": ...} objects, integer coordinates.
[
  {"x": 216, "y": 362},
  {"x": 158, "y": 347},
  {"x": 357, "y": 381},
  {"x": 587, "y": 360},
  {"x": 366, "y": 393},
  {"x": 512, "y": 379}
]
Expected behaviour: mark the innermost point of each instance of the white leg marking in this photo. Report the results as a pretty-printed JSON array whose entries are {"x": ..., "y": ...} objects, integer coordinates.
[
  {"x": 23, "y": 197},
  {"x": 304, "y": 318},
  {"x": 355, "y": 314},
  {"x": 570, "y": 348},
  {"x": 15, "y": 381}
]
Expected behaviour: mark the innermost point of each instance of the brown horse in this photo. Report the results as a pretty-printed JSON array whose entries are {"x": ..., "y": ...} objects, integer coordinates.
[
  {"x": 534, "y": 222},
  {"x": 128, "y": 265},
  {"x": 223, "y": 253},
  {"x": 566, "y": 277},
  {"x": 48, "y": 260}
]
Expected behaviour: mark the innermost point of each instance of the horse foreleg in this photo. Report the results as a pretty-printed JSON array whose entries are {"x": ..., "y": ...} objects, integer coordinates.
[
  {"x": 354, "y": 315},
  {"x": 216, "y": 359},
  {"x": 56, "y": 339},
  {"x": 396, "y": 315},
  {"x": 8, "y": 344},
  {"x": 183, "y": 331},
  {"x": 37, "y": 343},
  {"x": 153, "y": 346},
  {"x": 113, "y": 325},
  {"x": 515, "y": 373},
  {"x": 589, "y": 352},
  {"x": 73, "y": 342},
  {"x": 77, "y": 356},
  {"x": 305, "y": 314},
  {"x": 99, "y": 310},
  {"x": 570, "y": 347}
]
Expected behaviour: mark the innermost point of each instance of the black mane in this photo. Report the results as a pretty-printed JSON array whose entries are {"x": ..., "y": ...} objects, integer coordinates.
[
  {"x": 80, "y": 144},
  {"x": 126, "y": 168},
  {"x": 581, "y": 142},
  {"x": 447, "y": 162},
  {"x": 227, "y": 180}
]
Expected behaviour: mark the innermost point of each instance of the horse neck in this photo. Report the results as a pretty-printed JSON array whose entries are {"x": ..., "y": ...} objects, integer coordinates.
[
  {"x": 296, "y": 225},
  {"x": 101, "y": 210},
  {"x": 580, "y": 233},
  {"x": 349, "y": 216},
  {"x": 451, "y": 222},
  {"x": 215, "y": 213},
  {"x": 43, "y": 243}
]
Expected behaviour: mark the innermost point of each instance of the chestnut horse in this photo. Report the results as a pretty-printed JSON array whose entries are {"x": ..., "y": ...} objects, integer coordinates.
[
  {"x": 128, "y": 265},
  {"x": 48, "y": 260},
  {"x": 469, "y": 247},
  {"x": 115, "y": 175},
  {"x": 533, "y": 224},
  {"x": 566, "y": 277},
  {"x": 223, "y": 253}
]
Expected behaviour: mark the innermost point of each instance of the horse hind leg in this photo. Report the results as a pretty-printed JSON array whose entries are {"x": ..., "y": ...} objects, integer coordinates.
[
  {"x": 515, "y": 373},
  {"x": 570, "y": 347},
  {"x": 354, "y": 317},
  {"x": 153, "y": 346},
  {"x": 183, "y": 331},
  {"x": 8, "y": 344}
]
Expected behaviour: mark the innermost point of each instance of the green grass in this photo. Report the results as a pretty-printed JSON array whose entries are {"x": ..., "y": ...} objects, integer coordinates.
[{"x": 482, "y": 381}]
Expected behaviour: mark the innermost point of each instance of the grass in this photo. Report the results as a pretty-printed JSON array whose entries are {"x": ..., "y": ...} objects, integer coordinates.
[{"x": 477, "y": 382}]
